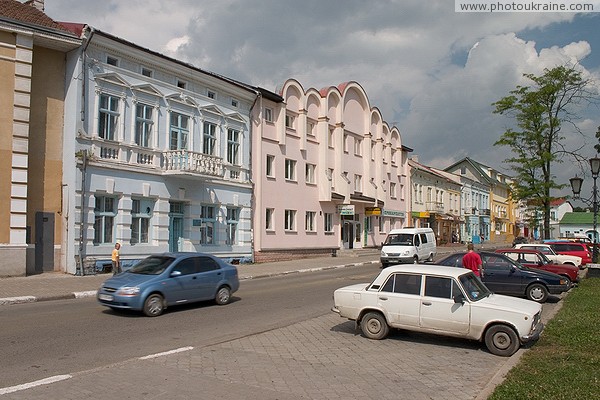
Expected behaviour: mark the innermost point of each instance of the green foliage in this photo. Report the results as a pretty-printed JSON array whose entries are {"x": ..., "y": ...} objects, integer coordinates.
[
  {"x": 565, "y": 362},
  {"x": 537, "y": 144}
]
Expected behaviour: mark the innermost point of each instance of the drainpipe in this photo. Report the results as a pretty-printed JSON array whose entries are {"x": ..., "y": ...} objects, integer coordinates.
[{"x": 254, "y": 198}]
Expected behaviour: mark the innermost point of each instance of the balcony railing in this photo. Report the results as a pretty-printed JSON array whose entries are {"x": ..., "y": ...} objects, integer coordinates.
[
  {"x": 189, "y": 161},
  {"x": 434, "y": 206}
]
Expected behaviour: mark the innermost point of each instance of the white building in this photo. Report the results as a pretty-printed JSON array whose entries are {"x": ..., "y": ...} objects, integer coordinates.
[{"x": 161, "y": 150}]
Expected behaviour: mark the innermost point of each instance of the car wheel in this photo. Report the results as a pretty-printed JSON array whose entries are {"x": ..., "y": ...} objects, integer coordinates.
[
  {"x": 569, "y": 282},
  {"x": 223, "y": 295},
  {"x": 502, "y": 340},
  {"x": 537, "y": 292},
  {"x": 430, "y": 259},
  {"x": 154, "y": 305},
  {"x": 415, "y": 259},
  {"x": 374, "y": 326}
]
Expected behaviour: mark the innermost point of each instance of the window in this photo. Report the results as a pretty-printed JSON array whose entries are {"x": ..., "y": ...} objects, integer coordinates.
[
  {"x": 108, "y": 117},
  {"x": 309, "y": 221},
  {"x": 393, "y": 157},
  {"x": 357, "y": 147},
  {"x": 140, "y": 221},
  {"x": 330, "y": 138},
  {"x": 269, "y": 219},
  {"x": 147, "y": 72},
  {"x": 369, "y": 224},
  {"x": 179, "y": 131},
  {"x": 143, "y": 124},
  {"x": 234, "y": 103},
  {"x": 373, "y": 150},
  {"x": 209, "y": 138},
  {"x": 358, "y": 183},
  {"x": 345, "y": 143},
  {"x": 104, "y": 219},
  {"x": 328, "y": 222},
  {"x": 290, "y": 220},
  {"x": 181, "y": 84},
  {"x": 268, "y": 114},
  {"x": 112, "y": 61},
  {"x": 381, "y": 224},
  {"x": 290, "y": 169},
  {"x": 403, "y": 283},
  {"x": 310, "y": 173},
  {"x": 233, "y": 217},
  {"x": 233, "y": 146},
  {"x": 270, "y": 166},
  {"x": 207, "y": 226},
  {"x": 311, "y": 128},
  {"x": 436, "y": 286},
  {"x": 289, "y": 121},
  {"x": 330, "y": 176},
  {"x": 211, "y": 94},
  {"x": 392, "y": 190}
]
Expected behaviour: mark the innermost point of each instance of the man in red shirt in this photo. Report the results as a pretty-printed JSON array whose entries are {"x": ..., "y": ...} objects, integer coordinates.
[{"x": 472, "y": 261}]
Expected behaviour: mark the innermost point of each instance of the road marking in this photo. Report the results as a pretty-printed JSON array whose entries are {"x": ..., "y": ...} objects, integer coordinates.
[
  {"x": 45, "y": 381},
  {"x": 166, "y": 353}
]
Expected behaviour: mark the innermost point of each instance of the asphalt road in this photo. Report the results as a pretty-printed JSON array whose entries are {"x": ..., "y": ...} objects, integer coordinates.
[{"x": 59, "y": 337}]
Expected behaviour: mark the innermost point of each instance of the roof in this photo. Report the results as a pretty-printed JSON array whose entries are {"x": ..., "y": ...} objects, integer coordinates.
[
  {"x": 428, "y": 269},
  {"x": 28, "y": 14},
  {"x": 578, "y": 218}
]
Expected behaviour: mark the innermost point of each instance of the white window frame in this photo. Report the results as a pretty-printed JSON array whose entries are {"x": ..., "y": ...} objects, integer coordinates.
[
  {"x": 310, "y": 171},
  {"x": 144, "y": 124},
  {"x": 140, "y": 223},
  {"x": 310, "y": 221},
  {"x": 289, "y": 223},
  {"x": 208, "y": 218},
  {"x": 270, "y": 166},
  {"x": 108, "y": 117},
  {"x": 104, "y": 218},
  {"x": 358, "y": 186},
  {"x": 269, "y": 219},
  {"x": 290, "y": 169},
  {"x": 209, "y": 138},
  {"x": 233, "y": 219},
  {"x": 358, "y": 147},
  {"x": 328, "y": 222},
  {"x": 393, "y": 194},
  {"x": 268, "y": 116},
  {"x": 233, "y": 146},
  {"x": 182, "y": 132}
]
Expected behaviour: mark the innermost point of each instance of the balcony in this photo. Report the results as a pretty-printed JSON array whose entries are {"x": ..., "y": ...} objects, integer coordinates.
[
  {"x": 181, "y": 161},
  {"x": 434, "y": 206}
]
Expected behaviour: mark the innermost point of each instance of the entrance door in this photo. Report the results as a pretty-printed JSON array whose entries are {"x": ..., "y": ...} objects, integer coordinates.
[
  {"x": 44, "y": 242},
  {"x": 175, "y": 225},
  {"x": 348, "y": 234}
]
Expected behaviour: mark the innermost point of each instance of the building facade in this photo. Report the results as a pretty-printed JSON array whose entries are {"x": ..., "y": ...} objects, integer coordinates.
[
  {"x": 436, "y": 201},
  {"x": 32, "y": 80},
  {"x": 156, "y": 156},
  {"x": 329, "y": 172}
]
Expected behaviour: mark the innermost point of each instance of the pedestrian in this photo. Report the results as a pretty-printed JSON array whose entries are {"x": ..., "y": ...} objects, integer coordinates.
[
  {"x": 116, "y": 260},
  {"x": 472, "y": 261}
]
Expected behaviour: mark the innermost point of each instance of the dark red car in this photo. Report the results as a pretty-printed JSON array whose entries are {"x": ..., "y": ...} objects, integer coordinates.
[
  {"x": 535, "y": 259},
  {"x": 573, "y": 249}
]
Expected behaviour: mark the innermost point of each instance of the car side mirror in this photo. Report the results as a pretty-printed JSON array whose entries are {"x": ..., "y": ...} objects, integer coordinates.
[
  {"x": 175, "y": 273},
  {"x": 459, "y": 298}
]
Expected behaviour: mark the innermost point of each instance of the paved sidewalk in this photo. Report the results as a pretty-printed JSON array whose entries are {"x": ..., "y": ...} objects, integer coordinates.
[{"x": 59, "y": 286}]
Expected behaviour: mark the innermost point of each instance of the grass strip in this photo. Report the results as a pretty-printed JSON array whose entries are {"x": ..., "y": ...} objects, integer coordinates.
[{"x": 565, "y": 362}]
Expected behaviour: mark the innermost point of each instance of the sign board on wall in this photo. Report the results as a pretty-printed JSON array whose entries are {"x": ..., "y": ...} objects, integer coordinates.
[
  {"x": 372, "y": 211},
  {"x": 393, "y": 213},
  {"x": 346, "y": 209}
]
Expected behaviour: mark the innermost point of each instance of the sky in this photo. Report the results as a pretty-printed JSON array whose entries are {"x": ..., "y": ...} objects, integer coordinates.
[{"x": 432, "y": 72}]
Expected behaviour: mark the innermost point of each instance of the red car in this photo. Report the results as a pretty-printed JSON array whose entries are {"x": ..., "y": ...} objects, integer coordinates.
[
  {"x": 573, "y": 249},
  {"x": 536, "y": 259}
]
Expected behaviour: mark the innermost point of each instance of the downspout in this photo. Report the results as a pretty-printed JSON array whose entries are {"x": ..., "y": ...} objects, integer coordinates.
[
  {"x": 253, "y": 197},
  {"x": 84, "y": 158}
]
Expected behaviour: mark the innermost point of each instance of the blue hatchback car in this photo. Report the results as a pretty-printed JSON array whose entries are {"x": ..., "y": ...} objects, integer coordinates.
[{"x": 168, "y": 279}]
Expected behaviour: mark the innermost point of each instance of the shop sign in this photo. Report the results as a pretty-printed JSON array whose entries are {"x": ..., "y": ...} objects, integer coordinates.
[
  {"x": 393, "y": 213},
  {"x": 372, "y": 211},
  {"x": 346, "y": 209}
]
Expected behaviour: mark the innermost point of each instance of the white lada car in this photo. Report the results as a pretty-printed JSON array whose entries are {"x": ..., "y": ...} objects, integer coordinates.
[
  {"x": 547, "y": 250},
  {"x": 440, "y": 300}
]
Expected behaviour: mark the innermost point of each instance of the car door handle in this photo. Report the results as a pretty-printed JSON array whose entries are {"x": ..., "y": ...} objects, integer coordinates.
[
  {"x": 383, "y": 298},
  {"x": 426, "y": 303}
]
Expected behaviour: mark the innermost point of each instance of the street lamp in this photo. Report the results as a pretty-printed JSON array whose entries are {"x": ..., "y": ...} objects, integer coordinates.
[{"x": 576, "y": 183}]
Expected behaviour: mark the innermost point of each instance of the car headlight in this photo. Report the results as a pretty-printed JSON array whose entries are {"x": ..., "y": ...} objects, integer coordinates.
[
  {"x": 563, "y": 281},
  {"x": 129, "y": 291}
]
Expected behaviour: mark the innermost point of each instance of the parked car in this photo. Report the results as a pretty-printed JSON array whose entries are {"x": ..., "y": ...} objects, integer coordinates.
[
  {"x": 573, "y": 249},
  {"x": 547, "y": 250},
  {"x": 408, "y": 245},
  {"x": 164, "y": 280},
  {"x": 535, "y": 259},
  {"x": 439, "y": 300},
  {"x": 505, "y": 276},
  {"x": 519, "y": 240}
]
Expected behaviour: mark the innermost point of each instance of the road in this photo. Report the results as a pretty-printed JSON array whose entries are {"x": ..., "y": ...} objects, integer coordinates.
[
  {"x": 58, "y": 337},
  {"x": 278, "y": 339}
]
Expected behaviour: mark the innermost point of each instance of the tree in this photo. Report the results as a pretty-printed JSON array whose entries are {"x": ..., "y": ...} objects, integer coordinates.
[{"x": 540, "y": 111}]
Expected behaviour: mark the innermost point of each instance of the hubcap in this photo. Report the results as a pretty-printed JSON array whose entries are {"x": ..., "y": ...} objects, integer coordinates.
[
  {"x": 155, "y": 306},
  {"x": 501, "y": 340},
  {"x": 374, "y": 326},
  {"x": 537, "y": 293}
]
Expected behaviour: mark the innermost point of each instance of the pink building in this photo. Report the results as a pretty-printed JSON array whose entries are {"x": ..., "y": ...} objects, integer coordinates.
[{"x": 329, "y": 172}]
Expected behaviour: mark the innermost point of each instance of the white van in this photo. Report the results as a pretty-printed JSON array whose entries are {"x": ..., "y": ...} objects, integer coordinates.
[{"x": 408, "y": 245}]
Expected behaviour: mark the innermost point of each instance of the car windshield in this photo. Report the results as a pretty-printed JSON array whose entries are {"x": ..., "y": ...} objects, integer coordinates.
[
  {"x": 475, "y": 289},
  {"x": 401, "y": 239},
  {"x": 153, "y": 265}
]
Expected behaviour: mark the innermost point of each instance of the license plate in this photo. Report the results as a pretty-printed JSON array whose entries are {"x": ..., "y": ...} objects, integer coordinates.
[{"x": 105, "y": 297}]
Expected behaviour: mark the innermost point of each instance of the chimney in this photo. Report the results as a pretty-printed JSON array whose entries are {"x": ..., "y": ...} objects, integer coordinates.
[{"x": 39, "y": 4}]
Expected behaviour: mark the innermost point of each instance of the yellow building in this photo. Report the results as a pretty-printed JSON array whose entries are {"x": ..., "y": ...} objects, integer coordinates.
[{"x": 32, "y": 82}]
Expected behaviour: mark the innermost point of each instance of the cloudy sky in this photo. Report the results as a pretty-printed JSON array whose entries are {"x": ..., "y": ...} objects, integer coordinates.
[{"x": 431, "y": 71}]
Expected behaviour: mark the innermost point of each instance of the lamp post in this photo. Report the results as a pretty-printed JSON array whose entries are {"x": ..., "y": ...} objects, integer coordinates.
[{"x": 576, "y": 183}]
